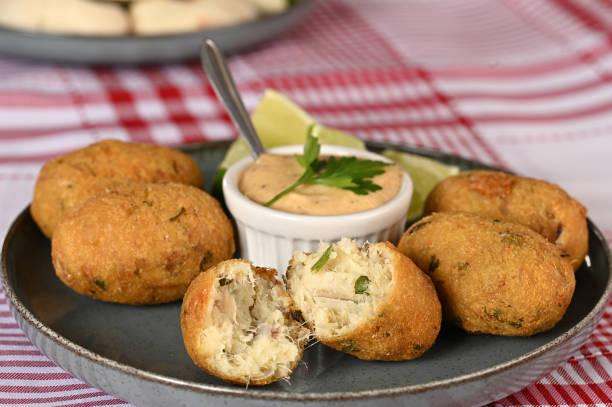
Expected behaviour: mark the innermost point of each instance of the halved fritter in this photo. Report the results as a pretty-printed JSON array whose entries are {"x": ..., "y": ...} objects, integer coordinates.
[
  {"x": 237, "y": 325},
  {"x": 372, "y": 302}
]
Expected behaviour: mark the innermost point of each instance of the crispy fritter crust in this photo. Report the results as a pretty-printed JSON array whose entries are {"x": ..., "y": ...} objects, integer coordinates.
[
  {"x": 66, "y": 182},
  {"x": 196, "y": 308},
  {"x": 142, "y": 243},
  {"x": 492, "y": 276},
  {"x": 539, "y": 205},
  {"x": 407, "y": 323}
]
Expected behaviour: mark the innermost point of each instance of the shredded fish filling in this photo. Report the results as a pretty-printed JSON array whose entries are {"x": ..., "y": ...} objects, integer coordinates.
[
  {"x": 248, "y": 334},
  {"x": 345, "y": 291}
]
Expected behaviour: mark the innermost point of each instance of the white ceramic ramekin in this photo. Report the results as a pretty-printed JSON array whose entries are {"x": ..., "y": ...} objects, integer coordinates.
[{"x": 268, "y": 237}]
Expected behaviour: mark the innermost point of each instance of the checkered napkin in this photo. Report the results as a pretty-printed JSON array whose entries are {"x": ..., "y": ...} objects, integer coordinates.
[{"x": 525, "y": 85}]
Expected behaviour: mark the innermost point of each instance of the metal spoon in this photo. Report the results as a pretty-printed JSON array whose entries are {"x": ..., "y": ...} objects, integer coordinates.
[{"x": 221, "y": 79}]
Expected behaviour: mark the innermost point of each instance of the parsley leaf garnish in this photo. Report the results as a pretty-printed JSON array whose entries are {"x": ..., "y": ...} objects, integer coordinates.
[{"x": 351, "y": 173}]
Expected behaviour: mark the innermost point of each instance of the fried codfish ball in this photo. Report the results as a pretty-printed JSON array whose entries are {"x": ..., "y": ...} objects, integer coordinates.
[
  {"x": 64, "y": 183},
  {"x": 78, "y": 17},
  {"x": 539, "y": 205},
  {"x": 141, "y": 244},
  {"x": 371, "y": 302},
  {"x": 236, "y": 324},
  {"x": 157, "y": 17},
  {"x": 492, "y": 276}
]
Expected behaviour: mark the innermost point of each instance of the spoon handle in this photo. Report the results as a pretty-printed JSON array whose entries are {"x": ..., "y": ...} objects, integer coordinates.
[{"x": 220, "y": 77}]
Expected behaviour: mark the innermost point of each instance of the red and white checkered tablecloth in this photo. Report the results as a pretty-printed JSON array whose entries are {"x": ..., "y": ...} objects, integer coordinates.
[{"x": 522, "y": 84}]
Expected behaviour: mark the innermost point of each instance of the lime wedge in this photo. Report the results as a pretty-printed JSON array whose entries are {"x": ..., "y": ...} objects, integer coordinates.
[
  {"x": 237, "y": 150},
  {"x": 278, "y": 122},
  {"x": 425, "y": 174},
  {"x": 336, "y": 137}
]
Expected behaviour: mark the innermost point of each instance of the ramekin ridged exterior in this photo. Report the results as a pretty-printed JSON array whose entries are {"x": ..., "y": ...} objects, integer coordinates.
[{"x": 268, "y": 237}]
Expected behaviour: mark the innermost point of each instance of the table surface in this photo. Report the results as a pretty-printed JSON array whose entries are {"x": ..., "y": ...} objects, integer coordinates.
[{"x": 515, "y": 83}]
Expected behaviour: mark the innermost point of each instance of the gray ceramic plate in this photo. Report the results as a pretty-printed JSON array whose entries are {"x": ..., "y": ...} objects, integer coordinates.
[
  {"x": 137, "y": 354},
  {"x": 149, "y": 49}
]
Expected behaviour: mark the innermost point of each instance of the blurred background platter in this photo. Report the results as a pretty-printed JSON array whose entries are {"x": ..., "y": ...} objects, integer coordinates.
[{"x": 150, "y": 49}]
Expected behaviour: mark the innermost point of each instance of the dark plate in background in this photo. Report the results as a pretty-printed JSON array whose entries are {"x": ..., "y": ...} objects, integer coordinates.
[
  {"x": 137, "y": 354},
  {"x": 112, "y": 50}
]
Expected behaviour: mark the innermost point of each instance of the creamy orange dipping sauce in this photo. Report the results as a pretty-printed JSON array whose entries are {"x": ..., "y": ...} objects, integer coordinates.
[{"x": 273, "y": 173}]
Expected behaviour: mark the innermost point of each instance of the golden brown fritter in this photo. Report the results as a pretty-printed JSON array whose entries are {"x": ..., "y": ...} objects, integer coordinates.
[
  {"x": 236, "y": 324},
  {"x": 64, "y": 183},
  {"x": 371, "y": 302},
  {"x": 491, "y": 276},
  {"x": 141, "y": 244},
  {"x": 539, "y": 205}
]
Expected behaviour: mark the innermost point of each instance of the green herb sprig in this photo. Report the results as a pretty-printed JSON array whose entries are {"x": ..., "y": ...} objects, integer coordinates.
[
  {"x": 323, "y": 259},
  {"x": 351, "y": 173},
  {"x": 361, "y": 285}
]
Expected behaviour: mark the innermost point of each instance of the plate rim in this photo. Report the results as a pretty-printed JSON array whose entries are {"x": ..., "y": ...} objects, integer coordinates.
[{"x": 17, "y": 306}]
